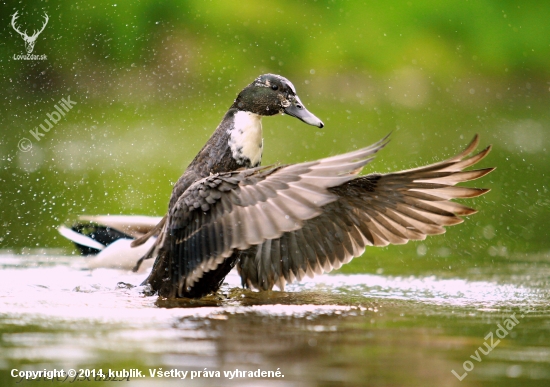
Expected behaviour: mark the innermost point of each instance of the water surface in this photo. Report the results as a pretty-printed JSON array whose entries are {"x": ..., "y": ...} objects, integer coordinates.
[{"x": 340, "y": 329}]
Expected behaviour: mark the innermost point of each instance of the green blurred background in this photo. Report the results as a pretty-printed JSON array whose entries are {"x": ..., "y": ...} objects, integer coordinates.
[{"x": 152, "y": 80}]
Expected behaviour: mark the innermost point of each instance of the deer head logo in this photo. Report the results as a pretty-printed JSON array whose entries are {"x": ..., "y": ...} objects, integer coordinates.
[{"x": 29, "y": 40}]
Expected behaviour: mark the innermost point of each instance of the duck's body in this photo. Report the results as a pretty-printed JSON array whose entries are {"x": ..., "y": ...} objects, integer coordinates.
[{"x": 280, "y": 223}]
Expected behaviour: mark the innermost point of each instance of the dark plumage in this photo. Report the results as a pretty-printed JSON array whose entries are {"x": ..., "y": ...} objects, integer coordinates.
[{"x": 279, "y": 223}]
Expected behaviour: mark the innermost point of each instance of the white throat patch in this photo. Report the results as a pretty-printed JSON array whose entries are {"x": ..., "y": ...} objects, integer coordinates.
[{"x": 245, "y": 138}]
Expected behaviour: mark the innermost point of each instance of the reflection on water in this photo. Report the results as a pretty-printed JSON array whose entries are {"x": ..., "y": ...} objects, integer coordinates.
[{"x": 333, "y": 330}]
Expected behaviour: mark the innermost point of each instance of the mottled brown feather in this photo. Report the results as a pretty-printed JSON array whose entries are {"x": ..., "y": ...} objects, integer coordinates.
[{"x": 371, "y": 210}]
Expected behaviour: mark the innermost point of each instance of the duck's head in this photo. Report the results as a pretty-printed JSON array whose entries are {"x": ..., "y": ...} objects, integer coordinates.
[{"x": 272, "y": 94}]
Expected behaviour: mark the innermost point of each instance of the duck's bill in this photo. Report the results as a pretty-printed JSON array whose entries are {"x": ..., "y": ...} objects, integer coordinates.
[{"x": 298, "y": 110}]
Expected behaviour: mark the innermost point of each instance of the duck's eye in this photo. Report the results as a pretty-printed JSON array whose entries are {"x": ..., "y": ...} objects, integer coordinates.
[{"x": 274, "y": 87}]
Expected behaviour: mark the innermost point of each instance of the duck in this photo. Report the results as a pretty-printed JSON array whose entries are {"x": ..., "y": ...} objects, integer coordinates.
[{"x": 279, "y": 223}]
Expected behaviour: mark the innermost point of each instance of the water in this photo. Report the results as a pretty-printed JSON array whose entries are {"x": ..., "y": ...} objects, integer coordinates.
[{"x": 358, "y": 329}]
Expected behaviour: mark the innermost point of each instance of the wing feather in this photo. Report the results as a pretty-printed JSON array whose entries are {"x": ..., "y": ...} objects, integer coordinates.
[
  {"x": 283, "y": 222},
  {"x": 377, "y": 210},
  {"x": 235, "y": 211}
]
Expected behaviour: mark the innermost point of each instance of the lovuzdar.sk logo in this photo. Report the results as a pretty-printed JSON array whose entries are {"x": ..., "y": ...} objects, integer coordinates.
[{"x": 29, "y": 40}]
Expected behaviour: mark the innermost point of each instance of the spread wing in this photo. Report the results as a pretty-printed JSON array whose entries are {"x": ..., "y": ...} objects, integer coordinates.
[
  {"x": 236, "y": 210},
  {"x": 373, "y": 210},
  {"x": 132, "y": 225}
]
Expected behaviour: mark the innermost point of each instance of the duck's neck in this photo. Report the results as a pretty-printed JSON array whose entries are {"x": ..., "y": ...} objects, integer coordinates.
[
  {"x": 245, "y": 139},
  {"x": 236, "y": 143}
]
